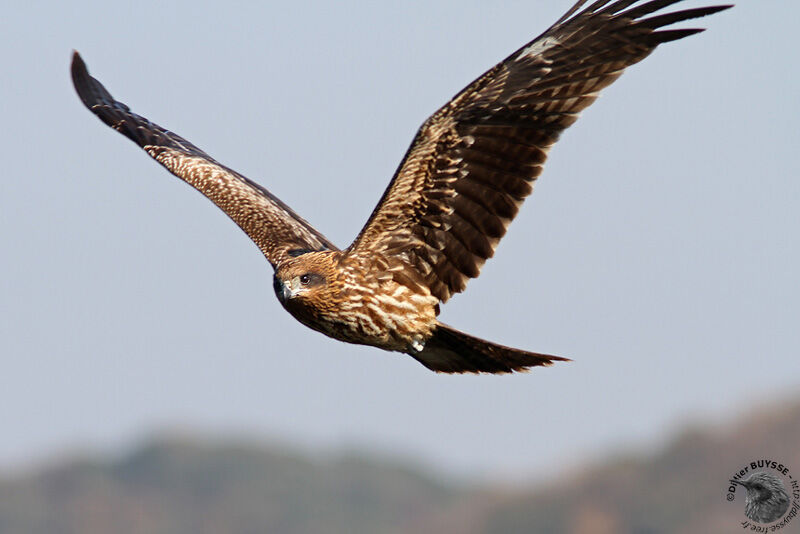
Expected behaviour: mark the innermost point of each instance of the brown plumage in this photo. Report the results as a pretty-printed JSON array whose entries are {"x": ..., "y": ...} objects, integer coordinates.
[{"x": 461, "y": 183}]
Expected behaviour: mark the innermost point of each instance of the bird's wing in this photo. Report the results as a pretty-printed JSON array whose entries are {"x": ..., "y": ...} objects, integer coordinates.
[
  {"x": 277, "y": 230},
  {"x": 473, "y": 162}
]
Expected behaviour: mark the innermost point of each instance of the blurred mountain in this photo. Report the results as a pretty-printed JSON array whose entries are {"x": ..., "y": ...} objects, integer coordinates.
[
  {"x": 188, "y": 486},
  {"x": 681, "y": 489}
]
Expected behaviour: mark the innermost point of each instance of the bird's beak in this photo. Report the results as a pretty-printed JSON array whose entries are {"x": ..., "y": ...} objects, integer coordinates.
[
  {"x": 281, "y": 291},
  {"x": 739, "y": 482}
]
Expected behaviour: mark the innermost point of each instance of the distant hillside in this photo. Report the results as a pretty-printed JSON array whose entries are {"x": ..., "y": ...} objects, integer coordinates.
[
  {"x": 179, "y": 486},
  {"x": 680, "y": 490},
  {"x": 187, "y": 487}
]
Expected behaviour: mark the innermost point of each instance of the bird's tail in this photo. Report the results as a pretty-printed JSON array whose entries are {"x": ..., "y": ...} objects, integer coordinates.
[{"x": 452, "y": 351}]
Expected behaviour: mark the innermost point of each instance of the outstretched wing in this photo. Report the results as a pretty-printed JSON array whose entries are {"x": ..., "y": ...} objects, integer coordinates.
[
  {"x": 474, "y": 161},
  {"x": 277, "y": 230}
]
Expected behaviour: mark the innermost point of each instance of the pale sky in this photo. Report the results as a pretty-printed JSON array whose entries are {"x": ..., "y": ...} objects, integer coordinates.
[{"x": 660, "y": 249}]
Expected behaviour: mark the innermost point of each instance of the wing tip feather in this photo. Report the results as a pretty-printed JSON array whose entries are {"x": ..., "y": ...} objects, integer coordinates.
[{"x": 80, "y": 77}]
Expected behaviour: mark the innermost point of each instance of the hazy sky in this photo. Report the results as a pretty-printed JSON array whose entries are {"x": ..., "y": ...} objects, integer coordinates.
[{"x": 660, "y": 249}]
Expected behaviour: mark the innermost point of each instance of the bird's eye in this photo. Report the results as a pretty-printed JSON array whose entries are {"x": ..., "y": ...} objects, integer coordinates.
[{"x": 305, "y": 279}]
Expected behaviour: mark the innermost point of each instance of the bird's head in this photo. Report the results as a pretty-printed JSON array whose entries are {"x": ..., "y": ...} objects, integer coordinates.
[
  {"x": 306, "y": 279},
  {"x": 761, "y": 486}
]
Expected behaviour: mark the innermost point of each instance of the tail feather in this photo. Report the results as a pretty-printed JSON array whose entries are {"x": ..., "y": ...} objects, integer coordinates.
[{"x": 452, "y": 351}]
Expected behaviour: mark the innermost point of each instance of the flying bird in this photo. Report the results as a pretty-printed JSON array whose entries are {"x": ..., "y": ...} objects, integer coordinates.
[
  {"x": 461, "y": 183},
  {"x": 766, "y": 499}
]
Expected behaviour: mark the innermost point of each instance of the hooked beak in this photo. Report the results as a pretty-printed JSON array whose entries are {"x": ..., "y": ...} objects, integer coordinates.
[
  {"x": 281, "y": 290},
  {"x": 286, "y": 290}
]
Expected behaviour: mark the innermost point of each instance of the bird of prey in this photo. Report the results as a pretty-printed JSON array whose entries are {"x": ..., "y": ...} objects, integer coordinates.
[
  {"x": 766, "y": 499},
  {"x": 461, "y": 183}
]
